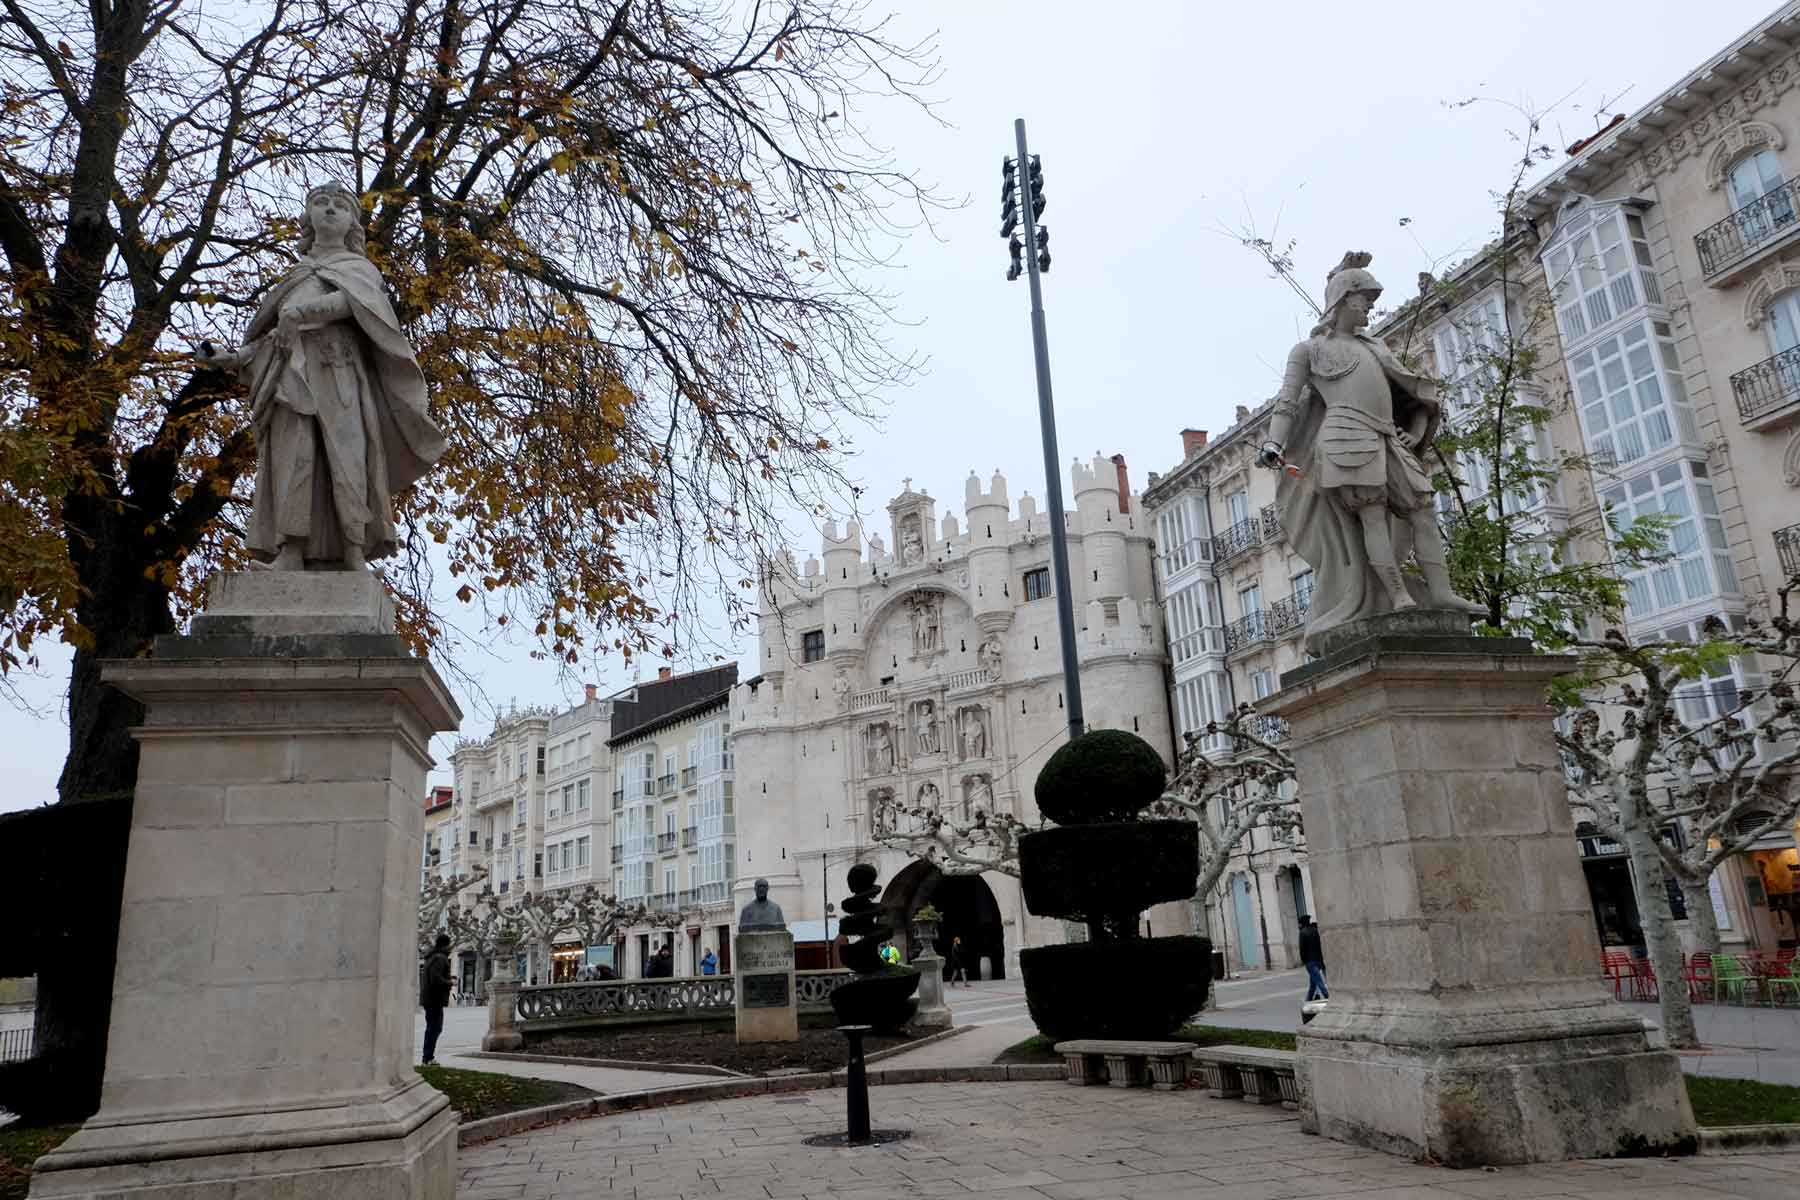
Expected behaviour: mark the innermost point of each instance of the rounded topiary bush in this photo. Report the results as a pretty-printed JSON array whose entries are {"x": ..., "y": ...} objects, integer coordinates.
[
  {"x": 1090, "y": 872},
  {"x": 1103, "y": 775},
  {"x": 1144, "y": 989}
]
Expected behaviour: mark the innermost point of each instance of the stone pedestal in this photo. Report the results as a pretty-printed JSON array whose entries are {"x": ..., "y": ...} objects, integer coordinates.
[
  {"x": 762, "y": 968},
  {"x": 932, "y": 1013},
  {"x": 1468, "y": 1022},
  {"x": 503, "y": 1004},
  {"x": 261, "y": 1040}
]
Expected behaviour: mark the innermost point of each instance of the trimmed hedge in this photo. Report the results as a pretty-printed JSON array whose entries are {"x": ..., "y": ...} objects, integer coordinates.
[
  {"x": 883, "y": 1000},
  {"x": 1103, "y": 775},
  {"x": 1144, "y": 988},
  {"x": 1084, "y": 872}
]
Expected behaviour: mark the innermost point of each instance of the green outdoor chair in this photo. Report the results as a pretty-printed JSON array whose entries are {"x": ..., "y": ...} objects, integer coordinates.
[
  {"x": 1729, "y": 973},
  {"x": 1777, "y": 977}
]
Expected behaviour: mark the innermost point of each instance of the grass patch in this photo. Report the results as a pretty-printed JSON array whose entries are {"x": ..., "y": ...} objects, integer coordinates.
[
  {"x": 1742, "y": 1102},
  {"x": 477, "y": 1094},
  {"x": 1040, "y": 1049},
  {"x": 19, "y": 1148}
]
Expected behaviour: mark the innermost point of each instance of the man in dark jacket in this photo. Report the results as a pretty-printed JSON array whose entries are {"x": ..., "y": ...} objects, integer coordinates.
[
  {"x": 1312, "y": 956},
  {"x": 435, "y": 994}
]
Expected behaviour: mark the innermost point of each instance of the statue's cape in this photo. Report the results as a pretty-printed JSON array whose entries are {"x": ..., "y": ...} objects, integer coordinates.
[
  {"x": 408, "y": 437},
  {"x": 1323, "y": 533}
]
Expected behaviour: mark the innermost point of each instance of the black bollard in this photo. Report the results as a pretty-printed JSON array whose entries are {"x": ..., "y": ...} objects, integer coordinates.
[{"x": 858, "y": 1134}]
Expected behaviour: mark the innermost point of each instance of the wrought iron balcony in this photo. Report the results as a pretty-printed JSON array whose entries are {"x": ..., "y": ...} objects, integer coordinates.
[
  {"x": 1288, "y": 614},
  {"x": 1768, "y": 387},
  {"x": 665, "y": 843},
  {"x": 1271, "y": 523},
  {"x": 1245, "y": 535},
  {"x": 1787, "y": 548},
  {"x": 690, "y": 835},
  {"x": 1747, "y": 230},
  {"x": 618, "y": 853},
  {"x": 1269, "y": 729},
  {"x": 688, "y": 775},
  {"x": 665, "y": 784},
  {"x": 1247, "y": 631},
  {"x": 619, "y": 797}
]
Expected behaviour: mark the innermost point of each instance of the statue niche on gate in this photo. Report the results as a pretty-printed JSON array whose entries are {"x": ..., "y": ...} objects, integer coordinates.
[
  {"x": 881, "y": 995},
  {"x": 1104, "y": 866}
]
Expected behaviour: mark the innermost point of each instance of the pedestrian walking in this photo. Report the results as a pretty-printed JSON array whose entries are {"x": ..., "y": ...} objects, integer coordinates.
[
  {"x": 958, "y": 963},
  {"x": 709, "y": 963},
  {"x": 1312, "y": 956},
  {"x": 435, "y": 994}
]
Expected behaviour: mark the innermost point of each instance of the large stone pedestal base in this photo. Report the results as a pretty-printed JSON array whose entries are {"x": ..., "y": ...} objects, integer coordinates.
[
  {"x": 1468, "y": 1023},
  {"x": 762, "y": 968},
  {"x": 261, "y": 1039},
  {"x": 932, "y": 1012}
]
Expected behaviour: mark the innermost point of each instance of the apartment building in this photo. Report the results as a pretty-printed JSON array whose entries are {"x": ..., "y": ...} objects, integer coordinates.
[{"x": 673, "y": 816}]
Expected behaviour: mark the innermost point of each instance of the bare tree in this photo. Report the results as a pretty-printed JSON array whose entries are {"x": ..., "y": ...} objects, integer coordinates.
[
  {"x": 435, "y": 899},
  {"x": 1639, "y": 771}
]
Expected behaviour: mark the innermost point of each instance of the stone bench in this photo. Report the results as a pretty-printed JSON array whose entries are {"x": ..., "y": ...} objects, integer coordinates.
[
  {"x": 1163, "y": 1065},
  {"x": 1259, "y": 1076}
]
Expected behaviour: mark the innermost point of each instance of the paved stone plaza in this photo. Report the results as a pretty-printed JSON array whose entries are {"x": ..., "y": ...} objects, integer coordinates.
[{"x": 1032, "y": 1140}]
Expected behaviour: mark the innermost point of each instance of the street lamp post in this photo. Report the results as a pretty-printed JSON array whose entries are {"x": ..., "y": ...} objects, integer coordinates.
[{"x": 1022, "y": 198}]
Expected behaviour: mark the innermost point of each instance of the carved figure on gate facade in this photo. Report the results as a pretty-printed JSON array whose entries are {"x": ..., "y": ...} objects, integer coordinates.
[{"x": 925, "y": 727}]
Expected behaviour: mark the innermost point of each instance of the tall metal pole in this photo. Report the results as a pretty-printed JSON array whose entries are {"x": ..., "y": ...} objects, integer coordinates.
[{"x": 1059, "y": 546}]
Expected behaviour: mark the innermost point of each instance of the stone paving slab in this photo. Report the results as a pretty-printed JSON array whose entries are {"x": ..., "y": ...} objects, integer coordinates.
[{"x": 1032, "y": 1141}]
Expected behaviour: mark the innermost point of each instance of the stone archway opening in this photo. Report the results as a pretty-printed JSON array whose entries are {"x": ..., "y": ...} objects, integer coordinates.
[{"x": 970, "y": 911}]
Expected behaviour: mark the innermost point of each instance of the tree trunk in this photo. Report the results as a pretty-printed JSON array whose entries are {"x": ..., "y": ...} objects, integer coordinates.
[
  {"x": 1658, "y": 921},
  {"x": 1705, "y": 922},
  {"x": 125, "y": 612}
]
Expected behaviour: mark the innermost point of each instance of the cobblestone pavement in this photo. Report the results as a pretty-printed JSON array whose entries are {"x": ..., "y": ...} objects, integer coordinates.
[{"x": 1028, "y": 1141}]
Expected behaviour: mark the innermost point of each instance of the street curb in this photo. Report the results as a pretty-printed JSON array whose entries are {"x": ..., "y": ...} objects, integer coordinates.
[
  {"x": 616, "y": 1064},
  {"x": 918, "y": 1043},
  {"x": 474, "y": 1132},
  {"x": 1748, "y": 1139}
]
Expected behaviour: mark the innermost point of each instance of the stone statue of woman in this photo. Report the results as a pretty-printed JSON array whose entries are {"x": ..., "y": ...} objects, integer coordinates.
[{"x": 338, "y": 402}]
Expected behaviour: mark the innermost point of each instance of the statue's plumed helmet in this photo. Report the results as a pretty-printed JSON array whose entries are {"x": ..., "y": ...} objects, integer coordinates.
[{"x": 1350, "y": 275}]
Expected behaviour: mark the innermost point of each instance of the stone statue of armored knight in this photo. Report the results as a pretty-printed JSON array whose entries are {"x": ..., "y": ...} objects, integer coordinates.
[{"x": 1349, "y": 428}]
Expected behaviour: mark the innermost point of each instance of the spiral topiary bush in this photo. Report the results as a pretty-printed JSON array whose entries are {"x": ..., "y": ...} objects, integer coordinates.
[
  {"x": 1103, "y": 867},
  {"x": 881, "y": 995}
]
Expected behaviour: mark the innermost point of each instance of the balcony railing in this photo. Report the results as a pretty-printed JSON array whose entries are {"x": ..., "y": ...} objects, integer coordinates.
[
  {"x": 1787, "y": 548},
  {"x": 1271, "y": 523},
  {"x": 665, "y": 843},
  {"x": 1770, "y": 386},
  {"x": 16, "y": 1045},
  {"x": 688, "y": 775},
  {"x": 1749, "y": 229},
  {"x": 1245, "y": 535},
  {"x": 690, "y": 835},
  {"x": 619, "y": 797},
  {"x": 1288, "y": 614},
  {"x": 665, "y": 784},
  {"x": 618, "y": 854},
  {"x": 1247, "y": 631}
]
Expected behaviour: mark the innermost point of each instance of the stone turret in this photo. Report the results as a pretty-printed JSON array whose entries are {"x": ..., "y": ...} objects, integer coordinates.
[
  {"x": 843, "y": 574},
  {"x": 989, "y": 532},
  {"x": 1102, "y": 527}
]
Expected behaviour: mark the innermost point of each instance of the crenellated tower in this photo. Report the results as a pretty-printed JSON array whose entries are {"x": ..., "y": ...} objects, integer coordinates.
[
  {"x": 989, "y": 534},
  {"x": 843, "y": 575},
  {"x": 1102, "y": 529}
]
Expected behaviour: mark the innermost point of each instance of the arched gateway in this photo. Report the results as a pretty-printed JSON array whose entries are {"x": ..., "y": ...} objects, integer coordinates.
[{"x": 969, "y": 912}]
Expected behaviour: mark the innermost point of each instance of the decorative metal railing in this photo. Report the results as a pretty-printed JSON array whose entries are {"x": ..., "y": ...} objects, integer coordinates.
[
  {"x": 1271, "y": 523},
  {"x": 665, "y": 784},
  {"x": 688, "y": 775},
  {"x": 1247, "y": 631},
  {"x": 1288, "y": 614},
  {"x": 665, "y": 843},
  {"x": 1787, "y": 549},
  {"x": 1245, "y": 535},
  {"x": 1769, "y": 386},
  {"x": 1748, "y": 229},
  {"x": 631, "y": 1001},
  {"x": 690, "y": 835},
  {"x": 17, "y": 1044}
]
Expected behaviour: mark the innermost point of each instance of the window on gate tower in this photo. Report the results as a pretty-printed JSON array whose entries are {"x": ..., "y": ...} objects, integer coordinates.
[
  {"x": 812, "y": 645},
  {"x": 1037, "y": 584}
]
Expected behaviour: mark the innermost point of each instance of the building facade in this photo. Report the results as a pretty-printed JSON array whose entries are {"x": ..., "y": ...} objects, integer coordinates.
[
  {"x": 1671, "y": 242},
  {"x": 674, "y": 848},
  {"x": 932, "y": 673},
  {"x": 440, "y": 811},
  {"x": 1234, "y": 599}
]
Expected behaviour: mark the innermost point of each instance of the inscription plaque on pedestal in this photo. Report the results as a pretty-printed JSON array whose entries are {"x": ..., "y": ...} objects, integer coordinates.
[{"x": 763, "y": 967}]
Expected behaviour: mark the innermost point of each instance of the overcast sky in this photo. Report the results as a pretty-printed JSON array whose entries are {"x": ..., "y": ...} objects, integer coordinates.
[{"x": 1157, "y": 125}]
